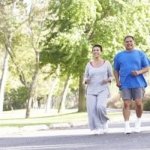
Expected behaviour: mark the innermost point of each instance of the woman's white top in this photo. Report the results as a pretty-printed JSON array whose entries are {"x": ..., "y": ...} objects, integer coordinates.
[{"x": 96, "y": 75}]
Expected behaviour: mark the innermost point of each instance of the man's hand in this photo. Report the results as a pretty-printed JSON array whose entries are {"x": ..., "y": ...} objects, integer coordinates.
[
  {"x": 118, "y": 84},
  {"x": 138, "y": 72},
  {"x": 135, "y": 73}
]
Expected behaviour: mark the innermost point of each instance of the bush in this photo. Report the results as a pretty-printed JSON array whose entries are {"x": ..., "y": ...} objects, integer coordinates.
[
  {"x": 146, "y": 106},
  {"x": 15, "y": 99}
]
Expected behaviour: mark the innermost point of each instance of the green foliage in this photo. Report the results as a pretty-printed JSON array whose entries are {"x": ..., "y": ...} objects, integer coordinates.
[
  {"x": 146, "y": 106},
  {"x": 74, "y": 25},
  {"x": 123, "y": 18},
  {"x": 71, "y": 27},
  {"x": 66, "y": 43},
  {"x": 15, "y": 98},
  {"x": 104, "y": 22},
  {"x": 24, "y": 56}
]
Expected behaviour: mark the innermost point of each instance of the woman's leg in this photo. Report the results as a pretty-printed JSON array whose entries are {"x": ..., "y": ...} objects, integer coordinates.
[
  {"x": 91, "y": 110},
  {"x": 101, "y": 108}
]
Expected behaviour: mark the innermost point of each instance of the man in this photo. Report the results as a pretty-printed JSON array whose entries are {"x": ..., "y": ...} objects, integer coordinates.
[{"x": 129, "y": 67}]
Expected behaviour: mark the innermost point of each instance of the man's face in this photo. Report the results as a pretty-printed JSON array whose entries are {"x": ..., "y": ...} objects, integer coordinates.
[{"x": 129, "y": 43}]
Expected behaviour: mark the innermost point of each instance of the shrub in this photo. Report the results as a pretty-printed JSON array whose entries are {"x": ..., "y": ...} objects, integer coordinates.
[
  {"x": 147, "y": 105},
  {"x": 15, "y": 99}
]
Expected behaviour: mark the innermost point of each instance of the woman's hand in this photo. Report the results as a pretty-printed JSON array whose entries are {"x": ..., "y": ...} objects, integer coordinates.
[{"x": 87, "y": 80}]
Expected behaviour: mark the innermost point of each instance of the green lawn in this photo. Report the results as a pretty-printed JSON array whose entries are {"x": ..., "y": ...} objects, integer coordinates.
[{"x": 16, "y": 118}]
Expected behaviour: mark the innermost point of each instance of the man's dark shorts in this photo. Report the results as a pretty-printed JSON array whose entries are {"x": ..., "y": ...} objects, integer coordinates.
[{"x": 132, "y": 93}]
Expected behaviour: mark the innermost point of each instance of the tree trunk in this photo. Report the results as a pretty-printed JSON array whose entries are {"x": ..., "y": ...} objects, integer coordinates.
[
  {"x": 31, "y": 95},
  {"x": 64, "y": 95},
  {"x": 81, "y": 104},
  {"x": 3, "y": 79},
  {"x": 51, "y": 91},
  {"x": 33, "y": 86}
]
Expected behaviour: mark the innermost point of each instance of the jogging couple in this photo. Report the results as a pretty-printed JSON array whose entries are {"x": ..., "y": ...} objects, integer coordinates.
[{"x": 129, "y": 66}]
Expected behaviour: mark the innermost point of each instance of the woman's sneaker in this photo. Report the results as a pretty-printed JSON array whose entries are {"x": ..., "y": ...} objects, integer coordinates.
[
  {"x": 97, "y": 131},
  {"x": 94, "y": 132},
  {"x": 106, "y": 127}
]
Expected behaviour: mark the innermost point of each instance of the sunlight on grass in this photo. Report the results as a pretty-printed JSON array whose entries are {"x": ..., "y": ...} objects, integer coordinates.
[{"x": 12, "y": 119}]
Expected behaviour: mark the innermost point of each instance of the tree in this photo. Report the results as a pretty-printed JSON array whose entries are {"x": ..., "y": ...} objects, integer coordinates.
[
  {"x": 66, "y": 43},
  {"x": 6, "y": 28},
  {"x": 73, "y": 26},
  {"x": 18, "y": 18}
]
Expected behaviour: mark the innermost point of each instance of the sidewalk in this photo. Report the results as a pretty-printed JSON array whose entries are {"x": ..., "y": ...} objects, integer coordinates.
[{"x": 115, "y": 125}]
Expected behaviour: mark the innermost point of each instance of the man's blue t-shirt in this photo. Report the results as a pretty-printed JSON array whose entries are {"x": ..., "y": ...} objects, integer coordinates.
[{"x": 127, "y": 61}]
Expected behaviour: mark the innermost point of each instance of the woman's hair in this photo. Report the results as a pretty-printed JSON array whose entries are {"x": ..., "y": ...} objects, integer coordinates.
[
  {"x": 98, "y": 45},
  {"x": 129, "y": 36}
]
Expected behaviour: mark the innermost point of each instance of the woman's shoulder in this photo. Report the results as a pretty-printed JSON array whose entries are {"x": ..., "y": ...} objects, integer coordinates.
[
  {"x": 88, "y": 64},
  {"x": 107, "y": 62}
]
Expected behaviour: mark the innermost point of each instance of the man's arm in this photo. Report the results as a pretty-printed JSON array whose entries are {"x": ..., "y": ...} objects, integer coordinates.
[{"x": 142, "y": 71}]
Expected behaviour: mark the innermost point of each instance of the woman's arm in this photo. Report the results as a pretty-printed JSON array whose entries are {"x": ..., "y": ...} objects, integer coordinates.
[
  {"x": 86, "y": 79},
  {"x": 109, "y": 74},
  {"x": 116, "y": 74}
]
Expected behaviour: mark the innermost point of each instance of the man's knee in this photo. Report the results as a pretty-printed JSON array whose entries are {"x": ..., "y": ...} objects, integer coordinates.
[
  {"x": 138, "y": 103},
  {"x": 127, "y": 104}
]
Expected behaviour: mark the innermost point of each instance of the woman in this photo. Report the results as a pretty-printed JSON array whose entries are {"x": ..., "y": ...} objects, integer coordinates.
[{"x": 98, "y": 75}]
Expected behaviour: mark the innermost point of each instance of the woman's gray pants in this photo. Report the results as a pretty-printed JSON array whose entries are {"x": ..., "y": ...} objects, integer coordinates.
[{"x": 96, "y": 109}]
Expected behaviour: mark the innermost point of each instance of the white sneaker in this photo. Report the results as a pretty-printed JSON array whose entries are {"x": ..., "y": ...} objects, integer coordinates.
[
  {"x": 106, "y": 127},
  {"x": 100, "y": 131},
  {"x": 127, "y": 128},
  {"x": 94, "y": 132},
  {"x": 138, "y": 126},
  {"x": 97, "y": 131}
]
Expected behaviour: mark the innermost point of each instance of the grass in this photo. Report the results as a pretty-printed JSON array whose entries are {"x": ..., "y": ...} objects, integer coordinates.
[{"x": 39, "y": 117}]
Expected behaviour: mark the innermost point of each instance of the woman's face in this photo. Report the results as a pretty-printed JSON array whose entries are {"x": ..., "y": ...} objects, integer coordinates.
[{"x": 96, "y": 52}]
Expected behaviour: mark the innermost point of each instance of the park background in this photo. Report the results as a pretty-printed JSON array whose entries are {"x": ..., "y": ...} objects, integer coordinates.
[{"x": 45, "y": 45}]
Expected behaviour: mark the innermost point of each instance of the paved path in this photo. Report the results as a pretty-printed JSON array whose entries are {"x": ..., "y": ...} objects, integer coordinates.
[
  {"x": 116, "y": 125},
  {"x": 77, "y": 137}
]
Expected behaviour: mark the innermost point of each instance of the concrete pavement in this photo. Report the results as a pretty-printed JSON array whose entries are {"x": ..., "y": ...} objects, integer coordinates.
[{"x": 116, "y": 125}]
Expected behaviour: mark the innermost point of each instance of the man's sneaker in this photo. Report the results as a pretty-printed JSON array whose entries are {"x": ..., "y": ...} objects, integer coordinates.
[
  {"x": 127, "y": 130},
  {"x": 138, "y": 126}
]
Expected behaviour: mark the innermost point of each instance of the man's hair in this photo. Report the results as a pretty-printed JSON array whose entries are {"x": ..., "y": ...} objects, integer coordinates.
[
  {"x": 98, "y": 45},
  {"x": 128, "y": 36}
]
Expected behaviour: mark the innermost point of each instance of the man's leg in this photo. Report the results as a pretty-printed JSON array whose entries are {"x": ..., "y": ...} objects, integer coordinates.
[
  {"x": 126, "y": 109},
  {"x": 138, "y": 96},
  {"x": 126, "y": 96},
  {"x": 139, "y": 111},
  {"x": 126, "y": 115},
  {"x": 139, "y": 108}
]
